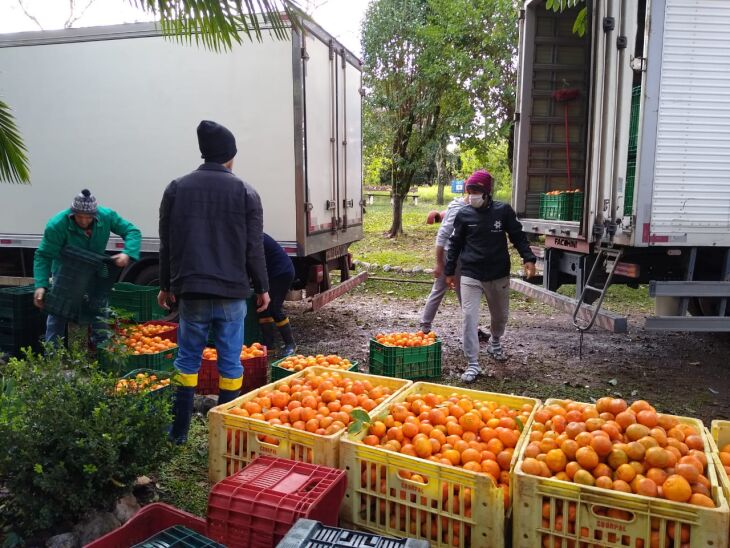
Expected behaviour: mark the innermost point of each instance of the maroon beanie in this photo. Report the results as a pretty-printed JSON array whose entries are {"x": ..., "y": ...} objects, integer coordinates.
[{"x": 480, "y": 179}]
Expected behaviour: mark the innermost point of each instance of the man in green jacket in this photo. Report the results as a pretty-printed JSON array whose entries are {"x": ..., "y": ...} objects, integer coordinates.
[{"x": 84, "y": 225}]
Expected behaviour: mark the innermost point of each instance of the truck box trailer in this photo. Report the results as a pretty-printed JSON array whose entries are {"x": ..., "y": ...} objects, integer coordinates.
[
  {"x": 622, "y": 143},
  {"x": 115, "y": 108}
]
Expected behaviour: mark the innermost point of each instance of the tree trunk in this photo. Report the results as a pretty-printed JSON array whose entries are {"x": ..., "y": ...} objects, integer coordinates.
[
  {"x": 396, "y": 228},
  {"x": 441, "y": 173}
]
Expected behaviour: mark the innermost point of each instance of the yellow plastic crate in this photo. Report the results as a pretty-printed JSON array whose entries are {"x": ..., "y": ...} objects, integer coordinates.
[
  {"x": 233, "y": 441},
  {"x": 378, "y": 499},
  {"x": 721, "y": 437},
  {"x": 594, "y": 528}
]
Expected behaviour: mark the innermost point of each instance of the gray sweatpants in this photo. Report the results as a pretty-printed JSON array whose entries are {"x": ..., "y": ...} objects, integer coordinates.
[
  {"x": 497, "y": 294},
  {"x": 438, "y": 291}
]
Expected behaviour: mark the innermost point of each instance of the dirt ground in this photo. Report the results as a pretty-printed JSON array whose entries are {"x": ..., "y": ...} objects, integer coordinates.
[{"x": 681, "y": 373}]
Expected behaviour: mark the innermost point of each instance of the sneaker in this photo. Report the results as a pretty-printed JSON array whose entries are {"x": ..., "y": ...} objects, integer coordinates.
[
  {"x": 472, "y": 372},
  {"x": 497, "y": 353},
  {"x": 287, "y": 350}
]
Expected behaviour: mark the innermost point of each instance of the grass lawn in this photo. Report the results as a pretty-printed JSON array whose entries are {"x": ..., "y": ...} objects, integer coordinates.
[{"x": 416, "y": 248}]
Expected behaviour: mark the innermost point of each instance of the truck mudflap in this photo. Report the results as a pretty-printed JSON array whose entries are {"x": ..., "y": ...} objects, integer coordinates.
[{"x": 321, "y": 299}]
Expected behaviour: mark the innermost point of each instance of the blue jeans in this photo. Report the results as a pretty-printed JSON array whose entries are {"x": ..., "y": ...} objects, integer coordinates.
[
  {"x": 56, "y": 329},
  {"x": 196, "y": 316}
]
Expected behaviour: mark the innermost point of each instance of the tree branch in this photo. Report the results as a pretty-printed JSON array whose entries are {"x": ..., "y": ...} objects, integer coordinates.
[
  {"x": 29, "y": 15},
  {"x": 71, "y": 19}
]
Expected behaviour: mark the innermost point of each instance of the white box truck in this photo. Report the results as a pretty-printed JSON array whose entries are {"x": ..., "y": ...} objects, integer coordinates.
[
  {"x": 622, "y": 154},
  {"x": 114, "y": 109}
]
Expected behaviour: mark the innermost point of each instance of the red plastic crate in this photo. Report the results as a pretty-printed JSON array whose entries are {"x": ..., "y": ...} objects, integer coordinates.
[
  {"x": 254, "y": 374},
  {"x": 149, "y": 521},
  {"x": 256, "y": 507},
  {"x": 170, "y": 335}
]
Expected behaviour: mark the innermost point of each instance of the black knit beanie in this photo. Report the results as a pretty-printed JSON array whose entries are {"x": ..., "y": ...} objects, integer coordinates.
[{"x": 217, "y": 143}]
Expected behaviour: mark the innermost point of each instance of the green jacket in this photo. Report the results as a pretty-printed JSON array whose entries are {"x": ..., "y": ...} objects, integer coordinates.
[{"x": 62, "y": 230}]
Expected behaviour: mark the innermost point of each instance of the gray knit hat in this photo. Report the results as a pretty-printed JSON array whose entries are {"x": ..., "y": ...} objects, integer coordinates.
[{"x": 84, "y": 203}]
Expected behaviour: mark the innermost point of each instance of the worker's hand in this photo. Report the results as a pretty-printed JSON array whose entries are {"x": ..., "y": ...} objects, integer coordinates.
[
  {"x": 38, "y": 296},
  {"x": 121, "y": 260},
  {"x": 165, "y": 299},
  {"x": 530, "y": 270},
  {"x": 438, "y": 270},
  {"x": 450, "y": 282},
  {"x": 262, "y": 301}
]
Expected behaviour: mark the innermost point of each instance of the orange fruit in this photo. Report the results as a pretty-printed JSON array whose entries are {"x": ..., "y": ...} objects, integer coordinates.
[
  {"x": 556, "y": 460},
  {"x": 587, "y": 458},
  {"x": 677, "y": 488},
  {"x": 701, "y": 500}
]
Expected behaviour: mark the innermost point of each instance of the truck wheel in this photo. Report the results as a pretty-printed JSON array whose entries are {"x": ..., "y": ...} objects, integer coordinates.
[
  {"x": 149, "y": 275},
  {"x": 705, "y": 306}
]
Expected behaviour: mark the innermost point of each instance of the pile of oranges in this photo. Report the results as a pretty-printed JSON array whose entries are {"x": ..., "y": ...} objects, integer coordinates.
[
  {"x": 256, "y": 350},
  {"x": 479, "y": 436},
  {"x": 139, "y": 339},
  {"x": 625, "y": 448},
  {"x": 299, "y": 362},
  {"x": 142, "y": 382},
  {"x": 320, "y": 404},
  {"x": 406, "y": 340}
]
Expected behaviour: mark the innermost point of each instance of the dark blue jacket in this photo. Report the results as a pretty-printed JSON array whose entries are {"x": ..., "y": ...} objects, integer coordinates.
[
  {"x": 211, "y": 230},
  {"x": 479, "y": 240},
  {"x": 278, "y": 262}
]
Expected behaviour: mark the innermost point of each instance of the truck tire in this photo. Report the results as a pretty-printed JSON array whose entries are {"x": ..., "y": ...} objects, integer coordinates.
[{"x": 149, "y": 275}]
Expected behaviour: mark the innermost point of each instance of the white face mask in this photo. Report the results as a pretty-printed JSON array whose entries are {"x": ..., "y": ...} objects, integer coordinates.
[{"x": 475, "y": 200}]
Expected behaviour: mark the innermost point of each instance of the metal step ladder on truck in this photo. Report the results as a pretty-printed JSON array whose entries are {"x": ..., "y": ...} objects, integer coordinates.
[
  {"x": 622, "y": 157},
  {"x": 115, "y": 109}
]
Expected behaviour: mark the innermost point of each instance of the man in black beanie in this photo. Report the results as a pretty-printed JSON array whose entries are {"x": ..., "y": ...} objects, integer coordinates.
[{"x": 211, "y": 245}]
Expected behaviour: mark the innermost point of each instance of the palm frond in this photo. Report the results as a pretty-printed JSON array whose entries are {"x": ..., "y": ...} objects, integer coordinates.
[
  {"x": 219, "y": 24},
  {"x": 13, "y": 159}
]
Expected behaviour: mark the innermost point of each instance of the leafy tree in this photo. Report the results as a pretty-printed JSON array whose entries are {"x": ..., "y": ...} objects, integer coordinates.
[
  {"x": 437, "y": 70},
  {"x": 579, "y": 26},
  {"x": 216, "y": 24}
]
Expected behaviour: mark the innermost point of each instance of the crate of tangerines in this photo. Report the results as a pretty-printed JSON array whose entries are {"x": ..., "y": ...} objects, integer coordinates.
[
  {"x": 406, "y": 355},
  {"x": 617, "y": 475},
  {"x": 721, "y": 454},
  {"x": 293, "y": 364},
  {"x": 300, "y": 417},
  {"x": 144, "y": 381},
  {"x": 255, "y": 363},
  {"x": 436, "y": 465},
  {"x": 139, "y": 346}
]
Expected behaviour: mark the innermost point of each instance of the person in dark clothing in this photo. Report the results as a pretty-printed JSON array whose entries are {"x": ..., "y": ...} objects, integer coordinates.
[
  {"x": 479, "y": 243},
  {"x": 281, "y": 275},
  {"x": 211, "y": 229}
]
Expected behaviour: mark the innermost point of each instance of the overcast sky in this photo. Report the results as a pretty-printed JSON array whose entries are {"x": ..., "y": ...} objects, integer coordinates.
[{"x": 341, "y": 18}]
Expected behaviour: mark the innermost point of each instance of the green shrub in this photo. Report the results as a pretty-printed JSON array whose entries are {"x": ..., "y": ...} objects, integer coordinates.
[{"x": 70, "y": 443}]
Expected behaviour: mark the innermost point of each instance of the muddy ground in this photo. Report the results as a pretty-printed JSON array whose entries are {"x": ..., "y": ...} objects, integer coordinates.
[{"x": 682, "y": 373}]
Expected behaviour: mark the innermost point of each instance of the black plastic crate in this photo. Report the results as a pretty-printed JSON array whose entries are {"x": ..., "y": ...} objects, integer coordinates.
[
  {"x": 308, "y": 533},
  {"x": 417, "y": 362},
  {"x": 178, "y": 537},
  {"x": 16, "y": 305}
]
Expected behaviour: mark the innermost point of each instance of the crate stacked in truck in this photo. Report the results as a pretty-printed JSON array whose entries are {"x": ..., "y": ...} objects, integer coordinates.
[
  {"x": 633, "y": 148},
  {"x": 562, "y": 205}
]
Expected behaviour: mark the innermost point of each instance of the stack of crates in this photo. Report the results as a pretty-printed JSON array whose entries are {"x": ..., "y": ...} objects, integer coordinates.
[
  {"x": 21, "y": 323},
  {"x": 561, "y": 205},
  {"x": 633, "y": 148}
]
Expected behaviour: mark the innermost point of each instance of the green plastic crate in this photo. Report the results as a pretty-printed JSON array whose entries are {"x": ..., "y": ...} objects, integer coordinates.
[
  {"x": 278, "y": 373},
  {"x": 139, "y": 300},
  {"x": 634, "y": 122},
  {"x": 629, "y": 187},
  {"x": 178, "y": 537},
  {"x": 16, "y": 305},
  {"x": 122, "y": 364},
  {"x": 418, "y": 362},
  {"x": 557, "y": 206},
  {"x": 577, "y": 210}
]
